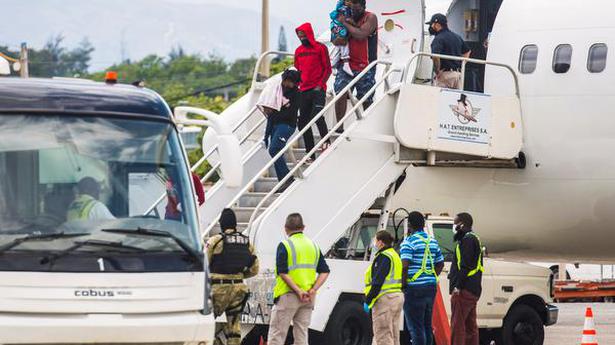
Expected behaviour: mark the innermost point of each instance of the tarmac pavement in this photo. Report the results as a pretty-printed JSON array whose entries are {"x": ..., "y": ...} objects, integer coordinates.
[{"x": 569, "y": 327}]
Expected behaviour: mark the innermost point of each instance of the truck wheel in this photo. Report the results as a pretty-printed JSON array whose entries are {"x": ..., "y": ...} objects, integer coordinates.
[
  {"x": 523, "y": 326},
  {"x": 348, "y": 325}
]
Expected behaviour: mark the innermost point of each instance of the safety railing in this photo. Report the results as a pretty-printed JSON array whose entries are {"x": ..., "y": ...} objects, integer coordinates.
[
  {"x": 289, "y": 145},
  {"x": 262, "y": 59},
  {"x": 464, "y": 62}
]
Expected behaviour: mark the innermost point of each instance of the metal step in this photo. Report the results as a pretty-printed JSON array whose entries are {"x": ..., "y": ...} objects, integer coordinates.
[
  {"x": 252, "y": 199},
  {"x": 241, "y": 227},
  {"x": 265, "y": 184},
  {"x": 243, "y": 213}
]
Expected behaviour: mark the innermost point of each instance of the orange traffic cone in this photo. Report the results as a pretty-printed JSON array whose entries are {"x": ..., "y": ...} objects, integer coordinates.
[
  {"x": 262, "y": 341},
  {"x": 589, "y": 330}
]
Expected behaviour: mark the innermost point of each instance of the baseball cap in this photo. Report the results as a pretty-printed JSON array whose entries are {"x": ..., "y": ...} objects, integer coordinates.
[{"x": 437, "y": 18}]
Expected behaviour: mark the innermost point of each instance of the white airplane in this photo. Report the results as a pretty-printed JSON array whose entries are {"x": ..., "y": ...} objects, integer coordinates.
[
  {"x": 562, "y": 205},
  {"x": 559, "y": 207}
]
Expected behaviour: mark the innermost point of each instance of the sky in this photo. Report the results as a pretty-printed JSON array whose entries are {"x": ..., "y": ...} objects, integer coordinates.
[{"x": 132, "y": 29}]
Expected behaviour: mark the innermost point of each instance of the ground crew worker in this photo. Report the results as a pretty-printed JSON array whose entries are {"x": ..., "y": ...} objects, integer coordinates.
[
  {"x": 300, "y": 271},
  {"x": 446, "y": 42},
  {"x": 86, "y": 205},
  {"x": 465, "y": 282},
  {"x": 422, "y": 262},
  {"x": 383, "y": 290},
  {"x": 231, "y": 260}
]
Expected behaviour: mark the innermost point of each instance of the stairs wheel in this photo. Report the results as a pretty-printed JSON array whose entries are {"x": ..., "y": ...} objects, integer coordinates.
[{"x": 521, "y": 160}]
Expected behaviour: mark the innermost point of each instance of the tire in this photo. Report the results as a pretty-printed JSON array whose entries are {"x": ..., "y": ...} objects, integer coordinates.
[
  {"x": 348, "y": 325},
  {"x": 523, "y": 326}
]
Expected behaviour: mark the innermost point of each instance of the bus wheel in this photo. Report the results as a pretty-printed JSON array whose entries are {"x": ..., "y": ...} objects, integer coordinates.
[{"x": 348, "y": 325}]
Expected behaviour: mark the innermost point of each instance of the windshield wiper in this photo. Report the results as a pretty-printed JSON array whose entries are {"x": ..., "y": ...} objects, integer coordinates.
[
  {"x": 89, "y": 243},
  {"x": 39, "y": 237},
  {"x": 162, "y": 234}
]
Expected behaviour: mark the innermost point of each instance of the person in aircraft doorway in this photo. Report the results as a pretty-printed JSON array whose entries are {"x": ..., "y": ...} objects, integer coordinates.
[{"x": 446, "y": 42}]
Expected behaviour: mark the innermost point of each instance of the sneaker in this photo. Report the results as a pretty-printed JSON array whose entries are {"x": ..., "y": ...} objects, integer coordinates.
[
  {"x": 340, "y": 130},
  {"x": 325, "y": 146},
  {"x": 285, "y": 186}
]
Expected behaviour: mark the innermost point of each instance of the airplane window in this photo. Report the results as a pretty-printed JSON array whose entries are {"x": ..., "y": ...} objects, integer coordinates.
[
  {"x": 596, "y": 61},
  {"x": 527, "y": 61},
  {"x": 562, "y": 58}
]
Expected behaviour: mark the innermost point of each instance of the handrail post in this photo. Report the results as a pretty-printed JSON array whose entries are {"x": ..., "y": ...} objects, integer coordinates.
[{"x": 463, "y": 75}]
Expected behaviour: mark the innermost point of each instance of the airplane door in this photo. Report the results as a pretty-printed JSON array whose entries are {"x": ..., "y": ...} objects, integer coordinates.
[{"x": 400, "y": 28}]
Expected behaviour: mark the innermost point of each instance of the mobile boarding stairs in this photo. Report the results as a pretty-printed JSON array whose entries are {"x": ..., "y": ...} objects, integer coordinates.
[{"x": 408, "y": 126}]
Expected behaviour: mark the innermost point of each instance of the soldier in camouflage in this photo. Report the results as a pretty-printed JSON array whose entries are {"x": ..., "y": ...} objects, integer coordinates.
[{"x": 231, "y": 260}]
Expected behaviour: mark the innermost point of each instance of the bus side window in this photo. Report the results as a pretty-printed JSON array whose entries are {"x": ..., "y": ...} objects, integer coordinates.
[
  {"x": 528, "y": 59},
  {"x": 596, "y": 59}
]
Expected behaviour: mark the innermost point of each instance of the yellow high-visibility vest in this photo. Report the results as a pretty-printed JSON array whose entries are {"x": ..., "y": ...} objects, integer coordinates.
[
  {"x": 303, "y": 256},
  {"x": 424, "y": 269},
  {"x": 479, "y": 264},
  {"x": 80, "y": 208},
  {"x": 392, "y": 282}
]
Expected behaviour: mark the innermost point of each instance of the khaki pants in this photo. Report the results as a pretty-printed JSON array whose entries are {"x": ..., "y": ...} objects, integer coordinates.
[
  {"x": 289, "y": 308},
  {"x": 386, "y": 315},
  {"x": 449, "y": 80}
]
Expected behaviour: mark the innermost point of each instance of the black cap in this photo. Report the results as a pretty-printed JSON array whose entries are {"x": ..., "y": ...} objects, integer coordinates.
[
  {"x": 228, "y": 220},
  {"x": 438, "y": 18}
]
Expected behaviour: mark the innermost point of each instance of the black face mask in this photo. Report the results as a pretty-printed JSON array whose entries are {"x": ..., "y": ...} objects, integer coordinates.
[
  {"x": 357, "y": 14},
  {"x": 305, "y": 42},
  {"x": 432, "y": 32}
]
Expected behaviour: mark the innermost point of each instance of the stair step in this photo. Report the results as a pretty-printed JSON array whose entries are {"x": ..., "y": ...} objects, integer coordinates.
[
  {"x": 241, "y": 227},
  {"x": 252, "y": 199},
  {"x": 265, "y": 184},
  {"x": 244, "y": 213}
]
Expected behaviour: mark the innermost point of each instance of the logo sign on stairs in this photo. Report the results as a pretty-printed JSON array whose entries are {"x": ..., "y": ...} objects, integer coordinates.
[{"x": 464, "y": 116}]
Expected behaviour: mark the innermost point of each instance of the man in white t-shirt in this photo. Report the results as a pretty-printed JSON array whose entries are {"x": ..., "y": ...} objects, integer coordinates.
[{"x": 86, "y": 205}]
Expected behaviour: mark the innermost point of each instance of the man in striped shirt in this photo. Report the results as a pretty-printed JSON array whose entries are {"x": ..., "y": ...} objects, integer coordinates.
[{"x": 422, "y": 262}]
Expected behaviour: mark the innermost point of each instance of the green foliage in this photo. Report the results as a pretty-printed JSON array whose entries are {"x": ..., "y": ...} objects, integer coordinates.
[{"x": 54, "y": 60}]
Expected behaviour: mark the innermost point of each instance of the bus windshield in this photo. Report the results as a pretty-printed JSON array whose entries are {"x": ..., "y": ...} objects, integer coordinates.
[{"x": 80, "y": 193}]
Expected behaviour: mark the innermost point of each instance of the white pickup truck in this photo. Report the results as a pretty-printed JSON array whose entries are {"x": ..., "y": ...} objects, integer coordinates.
[{"x": 513, "y": 310}]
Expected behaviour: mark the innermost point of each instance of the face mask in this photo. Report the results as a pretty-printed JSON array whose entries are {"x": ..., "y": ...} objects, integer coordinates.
[
  {"x": 305, "y": 42},
  {"x": 357, "y": 14},
  {"x": 432, "y": 32},
  {"x": 457, "y": 228}
]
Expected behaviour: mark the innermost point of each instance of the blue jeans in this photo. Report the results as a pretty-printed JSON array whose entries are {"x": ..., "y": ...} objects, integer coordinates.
[
  {"x": 418, "y": 310},
  {"x": 279, "y": 138}
]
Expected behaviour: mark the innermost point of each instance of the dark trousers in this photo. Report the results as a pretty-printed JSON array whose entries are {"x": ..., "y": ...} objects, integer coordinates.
[
  {"x": 312, "y": 102},
  {"x": 418, "y": 311},
  {"x": 279, "y": 138},
  {"x": 464, "y": 330}
]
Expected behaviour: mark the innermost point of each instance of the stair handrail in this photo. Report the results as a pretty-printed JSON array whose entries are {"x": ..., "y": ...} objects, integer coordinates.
[
  {"x": 303, "y": 161},
  {"x": 260, "y": 61},
  {"x": 298, "y": 135},
  {"x": 464, "y": 61},
  {"x": 211, "y": 152}
]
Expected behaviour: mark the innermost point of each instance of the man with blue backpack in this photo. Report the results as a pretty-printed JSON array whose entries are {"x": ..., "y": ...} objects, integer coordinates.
[{"x": 422, "y": 263}]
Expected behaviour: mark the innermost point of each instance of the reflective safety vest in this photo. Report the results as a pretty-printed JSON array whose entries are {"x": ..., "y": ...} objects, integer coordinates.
[
  {"x": 424, "y": 269},
  {"x": 303, "y": 256},
  {"x": 81, "y": 207},
  {"x": 392, "y": 282},
  {"x": 479, "y": 265}
]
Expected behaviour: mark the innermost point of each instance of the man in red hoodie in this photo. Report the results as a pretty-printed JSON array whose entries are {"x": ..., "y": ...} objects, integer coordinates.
[{"x": 312, "y": 60}]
